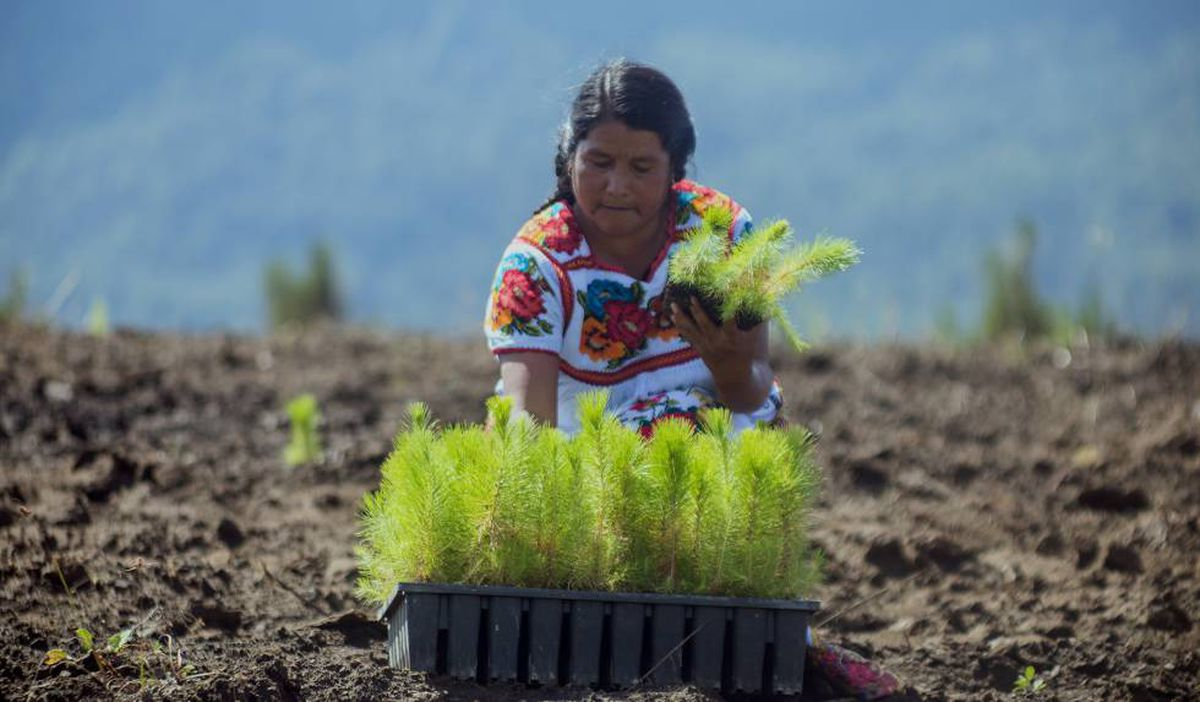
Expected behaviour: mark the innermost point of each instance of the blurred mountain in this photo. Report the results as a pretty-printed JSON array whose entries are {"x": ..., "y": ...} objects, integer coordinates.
[{"x": 166, "y": 151}]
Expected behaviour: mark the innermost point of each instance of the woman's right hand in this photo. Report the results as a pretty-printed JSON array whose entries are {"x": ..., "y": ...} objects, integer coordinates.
[{"x": 531, "y": 379}]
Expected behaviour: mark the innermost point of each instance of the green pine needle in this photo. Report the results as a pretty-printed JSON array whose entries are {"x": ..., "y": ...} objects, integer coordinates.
[
  {"x": 751, "y": 279},
  {"x": 525, "y": 505}
]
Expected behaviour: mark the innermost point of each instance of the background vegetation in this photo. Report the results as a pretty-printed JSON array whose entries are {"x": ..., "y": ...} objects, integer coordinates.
[
  {"x": 165, "y": 152},
  {"x": 303, "y": 297}
]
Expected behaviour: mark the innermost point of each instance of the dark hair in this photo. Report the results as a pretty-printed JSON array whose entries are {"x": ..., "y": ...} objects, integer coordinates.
[{"x": 636, "y": 94}]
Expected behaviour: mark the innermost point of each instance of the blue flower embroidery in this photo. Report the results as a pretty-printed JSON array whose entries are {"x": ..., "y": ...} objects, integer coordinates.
[{"x": 601, "y": 292}]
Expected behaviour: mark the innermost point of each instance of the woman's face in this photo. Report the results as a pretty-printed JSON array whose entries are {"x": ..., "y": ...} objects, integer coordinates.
[{"x": 620, "y": 177}]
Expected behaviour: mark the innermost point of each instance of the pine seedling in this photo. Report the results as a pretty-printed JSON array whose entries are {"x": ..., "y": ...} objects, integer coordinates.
[
  {"x": 745, "y": 275},
  {"x": 768, "y": 501},
  {"x": 748, "y": 281},
  {"x": 712, "y": 477},
  {"x": 415, "y": 527},
  {"x": 560, "y": 523},
  {"x": 692, "y": 271},
  {"x": 612, "y": 458},
  {"x": 810, "y": 261},
  {"x": 751, "y": 507},
  {"x": 520, "y": 504},
  {"x": 797, "y": 479},
  {"x": 474, "y": 461},
  {"x": 305, "y": 446},
  {"x": 670, "y": 485},
  {"x": 696, "y": 260},
  {"x": 504, "y": 501}
]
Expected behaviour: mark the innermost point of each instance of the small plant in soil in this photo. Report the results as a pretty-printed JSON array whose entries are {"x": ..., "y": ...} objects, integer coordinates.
[
  {"x": 97, "y": 318},
  {"x": 125, "y": 659},
  {"x": 12, "y": 305},
  {"x": 747, "y": 281},
  {"x": 1028, "y": 683},
  {"x": 521, "y": 504},
  {"x": 305, "y": 445}
]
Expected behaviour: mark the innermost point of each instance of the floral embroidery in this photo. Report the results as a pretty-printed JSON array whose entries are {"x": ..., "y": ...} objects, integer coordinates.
[
  {"x": 647, "y": 402},
  {"x": 601, "y": 292},
  {"x": 696, "y": 198},
  {"x": 553, "y": 228},
  {"x": 517, "y": 303},
  {"x": 647, "y": 428},
  {"x": 627, "y": 323},
  {"x": 849, "y": 673},
  {"x": 616, "y": 325},
  {"x": 595, "y": 343},
  {"x": 647, "y": 412},
  {"x": 663, "y": 326}
]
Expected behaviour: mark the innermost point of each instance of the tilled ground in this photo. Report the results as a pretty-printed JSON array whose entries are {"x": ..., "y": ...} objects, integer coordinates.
[{"x": 983, "y": 511}]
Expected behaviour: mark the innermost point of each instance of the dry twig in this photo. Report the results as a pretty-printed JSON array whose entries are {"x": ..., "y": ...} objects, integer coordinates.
[
  {"x": 308, "y": 602},
  {"x": 855, "y": 605}
]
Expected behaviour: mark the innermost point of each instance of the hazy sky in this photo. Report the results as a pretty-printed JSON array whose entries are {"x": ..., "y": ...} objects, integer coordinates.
[{"x": 165, "y": 150}]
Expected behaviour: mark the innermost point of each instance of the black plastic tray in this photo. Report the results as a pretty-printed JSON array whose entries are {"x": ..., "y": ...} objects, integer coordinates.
[{"x": 600, "y": 639}]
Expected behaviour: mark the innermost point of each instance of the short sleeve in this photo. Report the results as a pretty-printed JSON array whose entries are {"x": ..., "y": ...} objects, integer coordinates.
[
  {"x": 741, "y": 226},
  {"x": 525, "y": 309}
]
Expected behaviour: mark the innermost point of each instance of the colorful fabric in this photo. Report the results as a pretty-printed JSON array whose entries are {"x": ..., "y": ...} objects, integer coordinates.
[
  {"x": 607, "y": 328},
  {"x": 844, "y": 673}
]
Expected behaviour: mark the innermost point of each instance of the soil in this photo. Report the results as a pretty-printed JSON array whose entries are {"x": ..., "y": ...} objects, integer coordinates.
[
  {"x": 984, "y": 509},
  {"x": 682, "y": 294}
]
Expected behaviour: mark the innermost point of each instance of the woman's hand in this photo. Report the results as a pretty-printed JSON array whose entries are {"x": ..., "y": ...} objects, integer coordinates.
[{"x": 737, "y": 359}]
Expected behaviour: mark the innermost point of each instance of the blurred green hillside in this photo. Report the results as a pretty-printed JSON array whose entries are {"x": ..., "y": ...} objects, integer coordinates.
[{"x": 166, "y": 152}]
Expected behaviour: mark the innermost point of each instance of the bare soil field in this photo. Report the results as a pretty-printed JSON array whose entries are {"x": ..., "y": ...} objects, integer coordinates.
[{"x": 983, "y": 510}]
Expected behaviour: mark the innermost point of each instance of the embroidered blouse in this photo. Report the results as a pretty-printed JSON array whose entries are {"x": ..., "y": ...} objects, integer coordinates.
[{"x": 608, "y": 329}]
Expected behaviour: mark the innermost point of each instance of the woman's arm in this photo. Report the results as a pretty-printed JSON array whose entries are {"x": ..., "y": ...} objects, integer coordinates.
[
  {"x": 738, "y": 360},
  {"x": 531, "y": 380}
]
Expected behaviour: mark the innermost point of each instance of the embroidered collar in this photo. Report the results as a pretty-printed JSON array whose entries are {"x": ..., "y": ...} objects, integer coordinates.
[{"x": 556, "y": 231}]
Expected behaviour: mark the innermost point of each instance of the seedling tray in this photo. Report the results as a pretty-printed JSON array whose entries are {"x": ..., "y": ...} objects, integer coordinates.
[{"x": 599, "y": 639}]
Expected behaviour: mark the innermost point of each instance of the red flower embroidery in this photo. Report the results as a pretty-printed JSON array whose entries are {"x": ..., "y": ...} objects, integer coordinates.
[
  {"x": 646, "y": 403},
  {"x": 553, "y": 228},
  {"x": 519, "y": 295},
  {"x": 627, "y": 323},
  {"x": 647, "y": 428},
  {"x": 560, "y": 234}
]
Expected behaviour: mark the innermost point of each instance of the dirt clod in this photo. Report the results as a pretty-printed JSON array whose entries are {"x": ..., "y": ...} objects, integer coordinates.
[
  {"x": 217, "y": 616},
  {"x": 1123, "y": 559},
  {"x": 943, "y": 552},
  {"x": 357, "y": 629},
  {"x": 890, "y": 557},
  {"x": 868, "y": 478},
  {"x": 1113, "y": 499},
  {"x": 230, "y": 533},
  {"x": 1169, "y": 617}
]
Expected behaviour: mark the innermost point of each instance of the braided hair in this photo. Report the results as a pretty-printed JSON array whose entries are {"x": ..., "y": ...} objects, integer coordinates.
[{"x": 639, "y": 96}]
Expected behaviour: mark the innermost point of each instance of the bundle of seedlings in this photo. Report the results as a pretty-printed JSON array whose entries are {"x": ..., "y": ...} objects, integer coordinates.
[
  {"x": 747, "y": 281},
  {"x": 516, "y": 503}
]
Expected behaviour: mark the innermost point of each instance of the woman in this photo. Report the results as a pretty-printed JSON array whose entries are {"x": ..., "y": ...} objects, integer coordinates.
[{"x": 578, "y": 300}]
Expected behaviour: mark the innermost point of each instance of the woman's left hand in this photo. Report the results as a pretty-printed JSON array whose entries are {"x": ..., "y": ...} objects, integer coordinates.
[{"x": 738, "y": 359}]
